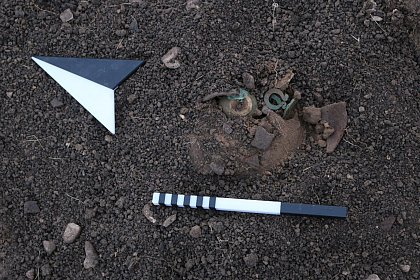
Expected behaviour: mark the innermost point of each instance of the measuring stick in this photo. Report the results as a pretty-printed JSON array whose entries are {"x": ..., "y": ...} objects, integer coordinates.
[{"x": 248, "y": 205}]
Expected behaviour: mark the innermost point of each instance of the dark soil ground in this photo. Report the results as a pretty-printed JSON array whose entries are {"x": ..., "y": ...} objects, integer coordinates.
[{"x": 63, "y": 159}]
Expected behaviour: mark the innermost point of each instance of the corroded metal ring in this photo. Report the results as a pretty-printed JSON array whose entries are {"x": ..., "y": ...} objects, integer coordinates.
[
  {"x": 238, "y": 108},
  {"x": 278, "y": 97}
]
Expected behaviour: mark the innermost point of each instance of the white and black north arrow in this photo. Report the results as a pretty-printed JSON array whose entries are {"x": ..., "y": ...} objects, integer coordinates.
[
  {"x": 248, "y": 205},
  {"x": 91, "y": 82}
]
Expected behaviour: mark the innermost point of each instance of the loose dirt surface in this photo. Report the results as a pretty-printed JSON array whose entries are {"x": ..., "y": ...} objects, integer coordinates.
[{"x": 62, "y": 158}]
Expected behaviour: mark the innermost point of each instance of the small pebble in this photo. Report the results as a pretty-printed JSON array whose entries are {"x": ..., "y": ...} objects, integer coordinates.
[
  {"x": 56, "y": 102},
  {"x": 134, "y": 25},
  {"x": 45, "y": 270},
  {"x": 227, "y": 128},
  {"x": 30, "y": 274},
  {"x": 31, "y": 207},
  {"x": 120, "y": 202},
  {"x": 405, "y": 268},
  {"x": 49, "y": 246},
  {"x": 373, "y": 277},
  {"x": 217, "y": 168},
  {"x": 262, "y": 139},
  {"x": 131, "y": 98},
  {"x": 91, "y": 259},
  {"x": 108, "y": 138},
  {"x": 311, "y": 114},
  {"x": 121, "y": 32},
  {"x": 66, "y": 16},
  {"x": 71, "y": 232},
  {"x": 361, "y": 109},
  {"x": 169, "y": 220},
  {"x": 251, "y": 260},
  {"x": 322, "y": 143},
  {"x": 248, "y": 80},
  {"x": 195, "y": 231}
]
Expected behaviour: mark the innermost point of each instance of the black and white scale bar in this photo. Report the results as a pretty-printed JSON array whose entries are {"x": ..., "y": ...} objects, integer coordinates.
[{"x": 248, "y": 205}]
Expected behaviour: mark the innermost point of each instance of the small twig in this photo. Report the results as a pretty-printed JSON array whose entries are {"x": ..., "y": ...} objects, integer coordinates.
[
  {"x": 113, "y": 6},
  {"x": 317, "y": 197},
  {"x": 350, "y": 143},
  {"x": 36, "y": 6},
  {"x": 34, "y": 140},
  {"x": 55, "y": 158},
  {"x": 120, "y": 45},
  {"x": 357, "y": 39},
  {"x": 72, "y": 197},
  {"x": 380, "y": 27}
]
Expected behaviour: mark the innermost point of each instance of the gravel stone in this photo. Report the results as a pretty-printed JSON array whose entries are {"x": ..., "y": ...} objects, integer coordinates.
[
  {"x": 168, "y": 221},
  {"x": 92, "y": 258},
  {"x": 71, "y": 232},
  {"x": 311, "y": 114},
  {"x": 373, "y": 277},
  {"x": 45, "y": 270},
  {"x": 251, "y": 260},
  {"x": 56, "y": 102},
  {"x": 49, "y": 246},
  {"x": 405, "y": 268},
  {"x": 66, "y": 15},
  {"x": 217, "y": 168},
  {"x": 262, "y": 139},
  {"x": 30, "y": 274},
  {"x": 131, "y": 98},
  {"x": 134, "y": 26},
  {"x": 248, "y": 80},
  {"x": 388, "y": 222},
  {"x": 31, "y": 207},
  {"x": 195, "y": 231},
  {"x": 227, "y": 128},
  {"x": 121, "y": 32},
  {"x": 90, "y": 213}
]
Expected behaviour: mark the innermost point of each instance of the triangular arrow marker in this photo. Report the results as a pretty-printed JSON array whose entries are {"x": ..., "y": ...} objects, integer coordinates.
[{"x": 92, "y": 88}]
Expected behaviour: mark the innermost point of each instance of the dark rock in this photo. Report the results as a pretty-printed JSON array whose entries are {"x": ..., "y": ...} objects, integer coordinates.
[
  {"x": 31, "y": 207},
  {"x": 262, "y": 139}
]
